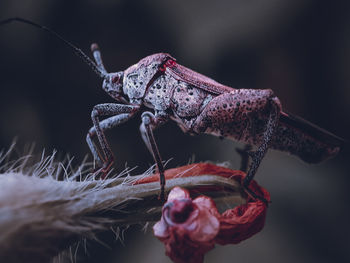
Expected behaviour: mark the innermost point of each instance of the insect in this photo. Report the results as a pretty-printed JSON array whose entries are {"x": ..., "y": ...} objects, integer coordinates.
[{"x": 198, "y": 105}]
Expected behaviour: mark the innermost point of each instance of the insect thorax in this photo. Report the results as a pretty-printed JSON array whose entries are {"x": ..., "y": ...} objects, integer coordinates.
[
  {"x": 184, "y": 100},
  {"x": 160, "y": 91},
  {"x": 136, "y": 79}
]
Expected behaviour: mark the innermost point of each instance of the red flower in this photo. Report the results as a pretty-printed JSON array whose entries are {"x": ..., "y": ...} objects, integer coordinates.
[
  {"x": 189, "y": 228},
  {"x": 243, "y": 221}
]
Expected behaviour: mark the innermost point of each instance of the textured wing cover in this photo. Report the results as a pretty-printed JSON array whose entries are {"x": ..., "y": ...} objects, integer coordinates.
[
  {"x": 196, "y": 79},
  {"x": 304, "y": 139}
]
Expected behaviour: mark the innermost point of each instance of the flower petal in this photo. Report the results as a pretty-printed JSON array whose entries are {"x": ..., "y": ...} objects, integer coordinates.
[
  {"x": 187, "y": 228},
  {"x": 178, "y": 193},
  {"x": 243, "y": 221},
  {"x": 181, "y": 249},
  {"x": 208, "y": 224},
  {"x": 160, "y": 229}
]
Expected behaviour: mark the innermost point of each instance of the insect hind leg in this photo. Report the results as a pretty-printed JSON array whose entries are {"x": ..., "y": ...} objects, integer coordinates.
[
  {"x": 258, "y": 155},
  {"x": 245, "y": 154},
  {"x": 244, "y": 115}
]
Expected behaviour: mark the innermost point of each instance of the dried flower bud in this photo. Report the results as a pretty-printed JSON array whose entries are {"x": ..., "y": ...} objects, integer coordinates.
[
  {"x": 189, "y": 228},
  {"x": 243, "y": 221}
]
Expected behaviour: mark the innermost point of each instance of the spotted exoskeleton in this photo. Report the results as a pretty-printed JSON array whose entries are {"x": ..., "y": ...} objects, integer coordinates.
[{"x": 197, "y": 104}]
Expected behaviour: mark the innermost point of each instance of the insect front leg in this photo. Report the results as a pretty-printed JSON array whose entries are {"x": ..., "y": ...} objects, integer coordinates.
[
  {"x": 150, "y": 123},
  {"x": 123, "y": 113},
  {"x": 105, "y": 125}
]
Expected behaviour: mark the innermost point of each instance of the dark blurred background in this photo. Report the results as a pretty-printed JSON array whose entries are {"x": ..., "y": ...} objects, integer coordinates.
[{"x": 299, "y": 48}]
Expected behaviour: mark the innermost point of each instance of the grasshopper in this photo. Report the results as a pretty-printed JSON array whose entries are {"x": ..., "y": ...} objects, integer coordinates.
[{"x": 198, "y": 104}]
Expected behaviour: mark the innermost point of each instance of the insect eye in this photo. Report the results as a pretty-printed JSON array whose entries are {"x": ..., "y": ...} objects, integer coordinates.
[{"x": 115, "y": 79}]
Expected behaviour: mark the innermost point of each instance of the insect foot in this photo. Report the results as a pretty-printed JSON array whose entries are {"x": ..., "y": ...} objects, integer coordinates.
[
  {"x": 105, "y": 169},
  {"x": 256, "y": 157}
]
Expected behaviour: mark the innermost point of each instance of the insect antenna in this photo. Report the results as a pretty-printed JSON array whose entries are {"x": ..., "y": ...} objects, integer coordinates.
[{"x": 76, "y": 50}]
